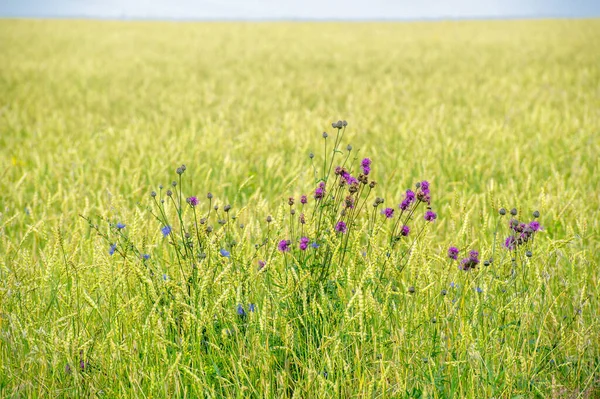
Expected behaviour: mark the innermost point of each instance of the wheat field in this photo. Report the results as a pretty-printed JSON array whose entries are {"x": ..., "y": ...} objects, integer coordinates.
[{"x": 98, "y": 300}]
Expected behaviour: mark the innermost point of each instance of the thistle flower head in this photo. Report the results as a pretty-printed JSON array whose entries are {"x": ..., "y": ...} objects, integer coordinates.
[
  {"x": 408, "y": 200},
  {"x": 283, "y": 246},
  {"x": 534, "y": 225},
  {"x": 453, "y": 253},
  {"x": 320, "y": 191},
  {"x": 388, "y": 212},
  {"x": 366, "y": 166},
  {"x": 341, "y": 227},
  {"x": 304, "y": 243},
  {"x": 303, "y": 199},
  {"x": 405, "y": 230},
  {"x": 193, "y": 201},
  {"x": 430, "y": 216}
]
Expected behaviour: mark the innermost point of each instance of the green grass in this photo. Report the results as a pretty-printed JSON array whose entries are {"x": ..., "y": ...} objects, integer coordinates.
[{"x": 95, "y": 115}]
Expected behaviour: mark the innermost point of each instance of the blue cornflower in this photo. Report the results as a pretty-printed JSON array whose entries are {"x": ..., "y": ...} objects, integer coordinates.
[
  {"x": 251, "y": 307},
  {"x": 479, "y": 290},
  {"x": 165, "y": 278},
  {"x": 314, "y": 245},
  {"x": 112, "y": 249},
  {"x": 224, "y": 253},
  {"x": 452, "y": 284},
  {"x": 166, "y": 230},
  {"x": 240, "y": 310},
  {"x": 146, "y": 256},
  {"x": 120, "y": 226}
]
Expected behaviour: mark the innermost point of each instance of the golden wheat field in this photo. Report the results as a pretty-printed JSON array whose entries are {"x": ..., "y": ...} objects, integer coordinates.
[{"x": 109, "y": 291}]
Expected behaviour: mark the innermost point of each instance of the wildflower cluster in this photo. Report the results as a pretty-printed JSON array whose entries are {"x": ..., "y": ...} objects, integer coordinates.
[{"x": 521, "y": 233}]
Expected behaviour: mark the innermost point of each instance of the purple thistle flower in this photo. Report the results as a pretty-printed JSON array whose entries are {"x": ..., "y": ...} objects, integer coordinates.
[
  {"x": 471, "y": 262},
  {"x": 112, "y": 249},
  {"x": 404, "y": 204},
  {"x": 425, "y": 185},
  {"x": 320, "y": 191},
  {"x": 120, "y": 226},
  {"x": 409, "y": 199},
  {"x": 349, "y": 178},
  {"x": 535, "y": 225},
  {"x": 388, "y": 212},
  {"x": 193, "y": 201},
  {"x": 261, "y": 264},
  {"x": 453, "y": 253},
  {"x": 510, "y": 243},
  {"x": 341, "y": 227},
  {"x": 473, "y": 254},
  {"x": 304, "y": 243},
  {"x": 303, "y": 199},
  {"x": 405, "y": 230},
  {"x": 430, "y": 216},
  {"x": 224, "y": 253},
  {"x": 283, "y": 246},
  {"x": 366, "y": 166},
  {"x": 424, "y": 196},
  {"x": 166, "y": 231}
]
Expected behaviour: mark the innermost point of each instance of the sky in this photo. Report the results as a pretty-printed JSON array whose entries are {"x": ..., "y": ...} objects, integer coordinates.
[{"x": 301, "y": 10}]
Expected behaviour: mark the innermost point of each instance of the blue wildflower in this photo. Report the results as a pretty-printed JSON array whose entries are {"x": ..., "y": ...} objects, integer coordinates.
[
  {"x": 224, "y": 253},
  {"x": 146, "y": 256},
  {"x": 166, "y": 230},
  {"x": 479, "y": 290},
  {"x": 120, "y": 226},
  {"x": 240, "y": 311},
  {"x": 452, "y": 284},
  {"x": 112, "y": 249},
  {"x": 251, "y": 307},
  {"x": 314, "y": 245},
  {"x": 165, "y": 277}
]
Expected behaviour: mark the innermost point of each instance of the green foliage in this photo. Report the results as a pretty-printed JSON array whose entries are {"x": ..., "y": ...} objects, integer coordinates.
[{"x": 95, "y": 115}]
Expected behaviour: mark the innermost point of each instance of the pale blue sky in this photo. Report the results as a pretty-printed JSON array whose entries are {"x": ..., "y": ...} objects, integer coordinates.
[{"x": 307, "y": 9}]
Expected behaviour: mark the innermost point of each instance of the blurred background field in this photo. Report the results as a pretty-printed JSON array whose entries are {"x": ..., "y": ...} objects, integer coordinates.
[{"x": 96, "y": 114}]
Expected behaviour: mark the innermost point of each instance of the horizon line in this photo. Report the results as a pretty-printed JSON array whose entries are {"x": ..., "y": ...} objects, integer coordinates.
[{"x": 300, "y": 19}]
